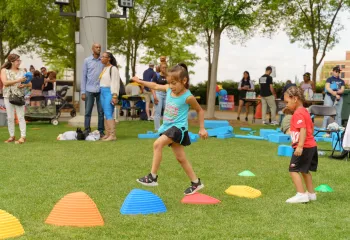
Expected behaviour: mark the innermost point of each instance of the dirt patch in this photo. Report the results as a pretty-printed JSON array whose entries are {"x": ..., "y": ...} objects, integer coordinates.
[{"x": 233, "y": 123}]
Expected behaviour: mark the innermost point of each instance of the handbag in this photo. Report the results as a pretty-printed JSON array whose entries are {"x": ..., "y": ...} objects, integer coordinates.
[{"x": 16, "y": 100}]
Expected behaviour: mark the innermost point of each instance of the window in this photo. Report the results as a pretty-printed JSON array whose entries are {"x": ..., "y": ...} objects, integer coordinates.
[
  {"x": 342, "y": 66},
  {"x": 342, "y": 75}
]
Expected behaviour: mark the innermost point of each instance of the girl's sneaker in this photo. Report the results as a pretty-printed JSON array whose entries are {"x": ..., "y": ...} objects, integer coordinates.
[
  {"x": 312, "y": 196},
  {"x": 194, "y": 187},
  {"x": 299, "y": 198},
  {"x": 148, "y": 180}
]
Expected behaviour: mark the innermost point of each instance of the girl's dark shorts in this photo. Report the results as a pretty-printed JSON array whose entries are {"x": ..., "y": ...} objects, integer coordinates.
[
  {"x": 308, "y": 161},
  {"x": 176, "y": 135}
]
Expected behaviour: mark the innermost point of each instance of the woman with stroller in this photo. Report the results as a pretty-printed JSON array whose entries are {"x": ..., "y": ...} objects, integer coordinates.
[{"x": 12, "y": 77}]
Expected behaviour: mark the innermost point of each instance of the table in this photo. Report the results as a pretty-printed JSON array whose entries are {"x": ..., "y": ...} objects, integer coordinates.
[
  {"x": 279, "y": 104},
  {"x": 134, "y": 99}
]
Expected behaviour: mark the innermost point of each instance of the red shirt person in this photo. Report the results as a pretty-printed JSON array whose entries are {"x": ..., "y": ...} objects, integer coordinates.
[{"x": 301, "y": 119}]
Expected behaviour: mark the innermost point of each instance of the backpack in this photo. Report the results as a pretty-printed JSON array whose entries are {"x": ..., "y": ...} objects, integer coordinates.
[{"x": 121, "y": 85}]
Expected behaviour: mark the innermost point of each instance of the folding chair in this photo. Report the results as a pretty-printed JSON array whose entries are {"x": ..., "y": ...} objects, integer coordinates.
[{"x": 326, "y": 111}]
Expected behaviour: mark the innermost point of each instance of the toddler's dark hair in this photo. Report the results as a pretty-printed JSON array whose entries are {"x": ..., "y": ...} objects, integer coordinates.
[
  {"x": 296, "y": 92},
  {"x": 80, "y": 134},
  {"x": 180, "y": 72}
]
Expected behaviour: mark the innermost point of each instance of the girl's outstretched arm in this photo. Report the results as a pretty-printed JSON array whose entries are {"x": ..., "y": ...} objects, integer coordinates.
[
  {"x": 192, "y": 101},
  {"x": 151, "y": 85}
]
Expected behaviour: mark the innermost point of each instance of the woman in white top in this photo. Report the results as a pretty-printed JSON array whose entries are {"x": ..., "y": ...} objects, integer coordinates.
[
  {"x": 12, "y": 77},
  {"x": 110, "y": 84},
  {"x": 307, "y": 84}
]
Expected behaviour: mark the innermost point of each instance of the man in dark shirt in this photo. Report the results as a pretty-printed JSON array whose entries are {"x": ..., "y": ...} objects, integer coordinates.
[
  {"x": 267, "y": 94},
  {"x": 147, "y": 93},
  {"x": 335, "y": 87}
]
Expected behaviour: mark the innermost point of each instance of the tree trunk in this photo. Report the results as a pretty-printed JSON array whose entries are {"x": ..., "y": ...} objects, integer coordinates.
[
  {"x": 127, "y": 67},
  {"x": 133, "y": 57},
  {"x": 214, "y": 72},
  {"x": 209, "y": 64},
  {"x": 2, "y": 57},
  {"x": 314, "y": 66}
]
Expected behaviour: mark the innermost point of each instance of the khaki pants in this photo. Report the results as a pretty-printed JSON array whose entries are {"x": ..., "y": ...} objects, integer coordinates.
[{"x": 270, "y": 100}]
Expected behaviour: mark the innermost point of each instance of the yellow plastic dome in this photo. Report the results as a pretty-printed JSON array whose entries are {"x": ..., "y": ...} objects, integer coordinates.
[{"x": 10, "y": 226}]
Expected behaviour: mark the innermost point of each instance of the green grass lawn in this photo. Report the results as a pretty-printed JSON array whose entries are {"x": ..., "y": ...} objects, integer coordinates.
[{"x": 36, "y": 175}]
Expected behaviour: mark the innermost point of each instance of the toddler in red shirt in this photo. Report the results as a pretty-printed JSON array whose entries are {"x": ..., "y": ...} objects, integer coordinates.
[{"x": 305, "y": 157}]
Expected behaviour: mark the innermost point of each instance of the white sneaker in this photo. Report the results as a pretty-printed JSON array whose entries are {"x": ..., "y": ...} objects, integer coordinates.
[
  {"x": 274, "y": 123},
  {"x": 299, "y": 198},
  {"x": 312, "y": 196}
]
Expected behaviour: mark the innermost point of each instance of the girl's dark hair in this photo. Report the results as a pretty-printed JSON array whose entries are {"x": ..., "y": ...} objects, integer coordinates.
[
  {"x": 248, "y": 76},
  {"x": 295, "y": 92},
  {"x": 11, "y": 58},
  {"x": 112, "y": 59},
  {"x": 179, "y": 73},
  {"x": 37, "y": 73}
]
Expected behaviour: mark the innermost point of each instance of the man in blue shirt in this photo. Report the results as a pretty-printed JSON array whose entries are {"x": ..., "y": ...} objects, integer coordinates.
[
  {"x": 148, "y": 76},
  {"x": 90, "y": 87},
  {"x": 335, "y": 87}
]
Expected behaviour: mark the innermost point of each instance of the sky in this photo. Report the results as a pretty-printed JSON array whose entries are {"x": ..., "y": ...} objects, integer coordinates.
[{"x": 256, "y": 53}]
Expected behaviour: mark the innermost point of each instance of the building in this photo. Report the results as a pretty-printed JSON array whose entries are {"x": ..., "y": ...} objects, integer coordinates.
[{"x": 344, "y": 65}]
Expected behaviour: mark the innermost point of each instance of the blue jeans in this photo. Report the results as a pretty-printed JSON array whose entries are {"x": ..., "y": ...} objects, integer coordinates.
[
  {"x": 106, "y": 99},
  {"x": 158, "y": 112},
  {"x": 328, "y": 102},
  {"x": 89, "y": 104}
]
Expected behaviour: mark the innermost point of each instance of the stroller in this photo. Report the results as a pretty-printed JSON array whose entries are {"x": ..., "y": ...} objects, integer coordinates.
[
  {"x": 50, "y": 107},
  {"x": 62, "y": 102}
]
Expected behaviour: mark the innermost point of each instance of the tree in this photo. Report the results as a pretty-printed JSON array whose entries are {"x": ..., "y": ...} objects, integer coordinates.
[
  {"x": 57, "y": 40},
  {"x": 154, "y": 26},
  {"x": 20, "y": 24},
  {"x": 313, "y": 23},
  {"x": 221, "y": 16}
]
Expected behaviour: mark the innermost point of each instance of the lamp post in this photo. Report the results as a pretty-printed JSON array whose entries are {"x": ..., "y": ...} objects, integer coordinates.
[{"x": 93, "y": 17}]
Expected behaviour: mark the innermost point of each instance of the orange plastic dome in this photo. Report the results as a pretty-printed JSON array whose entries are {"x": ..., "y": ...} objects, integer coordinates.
[{"x": 77, "y": 210}]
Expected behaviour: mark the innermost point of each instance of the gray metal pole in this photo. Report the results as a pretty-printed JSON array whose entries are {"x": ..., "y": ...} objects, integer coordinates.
[{"x": 93, "y": 29}]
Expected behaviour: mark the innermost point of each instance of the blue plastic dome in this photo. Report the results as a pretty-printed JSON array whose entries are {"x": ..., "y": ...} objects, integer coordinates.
[{"x": 142, "y": 202}]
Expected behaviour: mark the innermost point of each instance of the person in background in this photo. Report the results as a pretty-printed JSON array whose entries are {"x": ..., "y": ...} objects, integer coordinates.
[
  {"x": 159, "y": 96},
  {"x": 37, "y": 88},
  {"x": 288, "y": 85},
  {"x": 307, "y": 83},
  {"x": 44, "y": 72},
  {"x": 244, "y": 86},
  {"x": 268, "y": 96},
  {"x": 109, "y": 85},
  {"x": 147, "y": 93},
  {"x": 308, "y": 86},
  {"x": 32, "y": 69},
  {"x": 335, "y": 87},
  {"x": 49, "y": 83},
  {"x": 12, "y": 78},
  {"x": 90, "y": 88}
]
